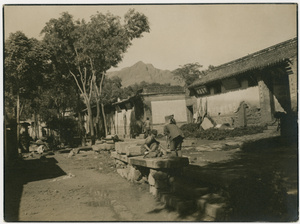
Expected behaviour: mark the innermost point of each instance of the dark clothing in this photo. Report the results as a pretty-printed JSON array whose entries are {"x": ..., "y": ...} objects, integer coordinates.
[
  {"x": 151, "y": 142},
  {"x": 172, "y": 131},
  {"x": 176, "y": 143},
  {"x": 175, "y": 136},
  {"x": 153, "y": 145}
]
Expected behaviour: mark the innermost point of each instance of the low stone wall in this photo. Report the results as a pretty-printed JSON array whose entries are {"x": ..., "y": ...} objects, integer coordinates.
[{"x": 252, "y": 117}]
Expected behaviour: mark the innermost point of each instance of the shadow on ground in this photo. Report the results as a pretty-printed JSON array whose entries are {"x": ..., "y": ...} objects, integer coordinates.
[
  {"x": 21, "y": 172},
  {"x": 257, "y": 182}
]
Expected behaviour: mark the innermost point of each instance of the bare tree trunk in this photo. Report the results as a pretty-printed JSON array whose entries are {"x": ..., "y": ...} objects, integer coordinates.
[
  {"x": 90, "y": 115},
  {"x": 104, "y": 119},
  {"x": 82, "y": 130},
  {"x": 98, "y": 125},
  {"x": 18, "y": 121}
]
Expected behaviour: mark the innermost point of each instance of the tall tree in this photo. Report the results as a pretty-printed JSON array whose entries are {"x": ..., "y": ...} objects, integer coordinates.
[
  {"x": 25, "y": 61},
  {"x": 89, "y": 49}
]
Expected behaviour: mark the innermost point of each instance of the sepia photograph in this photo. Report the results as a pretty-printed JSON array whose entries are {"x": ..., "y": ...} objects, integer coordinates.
[{"x": 161, "y": 112}]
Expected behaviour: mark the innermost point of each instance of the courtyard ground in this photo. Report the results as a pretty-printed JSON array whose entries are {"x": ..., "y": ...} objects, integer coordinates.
[{"x": 86, "y": 187}]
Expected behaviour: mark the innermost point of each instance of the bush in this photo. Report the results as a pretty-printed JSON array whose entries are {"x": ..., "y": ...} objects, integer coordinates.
[{"x": 193, "y": 131}]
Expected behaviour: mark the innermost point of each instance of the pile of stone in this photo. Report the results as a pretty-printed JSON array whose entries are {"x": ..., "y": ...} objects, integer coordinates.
[
  {"x": 106, "y": 144},
  {"x": 38, "y": 147}
]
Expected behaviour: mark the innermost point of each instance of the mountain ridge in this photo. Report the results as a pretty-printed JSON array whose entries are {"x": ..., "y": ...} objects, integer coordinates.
[{"x": 141, "y": 71}]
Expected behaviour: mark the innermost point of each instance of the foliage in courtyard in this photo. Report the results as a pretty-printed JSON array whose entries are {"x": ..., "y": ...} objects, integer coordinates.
[{"x": 194, "y": 131}]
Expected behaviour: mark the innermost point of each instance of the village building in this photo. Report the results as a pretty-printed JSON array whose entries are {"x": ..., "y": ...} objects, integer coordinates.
[
  {"x": 251, "y": 89},
  {"x": 152, "y": 102}
]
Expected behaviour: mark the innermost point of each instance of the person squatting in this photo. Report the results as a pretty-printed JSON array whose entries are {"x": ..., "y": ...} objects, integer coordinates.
[{"x": 174, "y": 136}]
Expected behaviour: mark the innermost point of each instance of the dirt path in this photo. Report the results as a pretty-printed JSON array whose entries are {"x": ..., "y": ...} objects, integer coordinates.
[{"x": 84, "y": 187}]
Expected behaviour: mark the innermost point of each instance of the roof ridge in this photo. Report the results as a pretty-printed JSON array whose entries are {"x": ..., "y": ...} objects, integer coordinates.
[{"x": 257, "y": 53}]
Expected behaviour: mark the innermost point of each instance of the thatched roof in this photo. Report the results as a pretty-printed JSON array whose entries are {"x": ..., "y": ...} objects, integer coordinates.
[{"x": 261, "y": 59}]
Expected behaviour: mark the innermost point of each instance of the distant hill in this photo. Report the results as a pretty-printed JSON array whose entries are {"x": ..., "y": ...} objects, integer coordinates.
[{"x": 144, "y": 72}]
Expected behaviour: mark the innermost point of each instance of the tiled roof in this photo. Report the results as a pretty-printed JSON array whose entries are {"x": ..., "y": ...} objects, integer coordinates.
[
  {"x": 162, "y": 90},
  {"x": 264, "y": 58}
]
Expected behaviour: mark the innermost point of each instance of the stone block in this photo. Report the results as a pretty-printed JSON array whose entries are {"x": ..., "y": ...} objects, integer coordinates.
[
  {"x": 109, "y": 146},
  {"x": 201, "y": 191},
  {"x": 120, "y": 164},
  {"x": 185, "y": 206},
  {"x": 123, "y": 158},
  {"x": 159, "y": 162},
  {"x": 134, "y": 151},
  {"x": 215, "y": 198},
  {"x": 76, "y": 150},
  {"x": 206, "y": 124},
  {"x": 109, "y": 142},
  {"x": 97, "y": 148},
  {"x": 134, "y": 174},
  {"x": 123, "y": 172},
  {"x": 201, "y": 204},
  {"x": 99, "y": 142},
  {"x": 160, "y": 175},
  {"x": 173, "y": 201},
  {"x": 121, "y": 147},
  {"x": 33, "y": 148},
  {"x": 161, "y": 184},
  {"x": 153, "y": 190},
  {"x": 164, "y": 197},
  {"x": 215, "y": 210},
  {"x": 85, "y": 148},
  {"x": 151, "y": 179}
]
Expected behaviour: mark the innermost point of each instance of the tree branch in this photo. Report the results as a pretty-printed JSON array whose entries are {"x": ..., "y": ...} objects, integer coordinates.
[
  {"x": 91, "y": 86},
  {"x": 77, "y": 83}
]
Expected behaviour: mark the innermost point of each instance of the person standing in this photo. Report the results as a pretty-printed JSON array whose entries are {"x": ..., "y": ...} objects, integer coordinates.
[
  {"x": 173, "y": 119},
  {"x": 147, "y": 127},
  {"x": 175, "y": 136}
]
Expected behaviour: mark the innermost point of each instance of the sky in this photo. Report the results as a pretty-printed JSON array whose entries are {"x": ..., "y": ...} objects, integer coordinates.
[{"x": 210, "y": 34}]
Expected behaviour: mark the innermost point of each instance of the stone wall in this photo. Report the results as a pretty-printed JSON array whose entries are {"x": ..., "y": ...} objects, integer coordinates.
[{"x": 252, "y": 117}]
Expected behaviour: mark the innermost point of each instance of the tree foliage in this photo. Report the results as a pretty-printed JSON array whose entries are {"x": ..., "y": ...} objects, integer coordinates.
[
  {"x": 189, "y": 73},
  {"x": 26, "y": 61},
  {"x": 86, "y": 50}
]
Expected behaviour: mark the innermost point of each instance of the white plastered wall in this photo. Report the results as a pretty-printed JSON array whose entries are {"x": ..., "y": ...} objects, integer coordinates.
[
  {"x": 229, "y": 102},
  {"x": 160, "y": 109}
]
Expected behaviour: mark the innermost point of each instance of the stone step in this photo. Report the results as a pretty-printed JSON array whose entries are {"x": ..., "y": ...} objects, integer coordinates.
[
  {"x": 270, "y": 131},
  {"x": 209, "y": 211},
  {"x": 153, "y": 163},
  {"x": 103, "y": 147},
  {"x": 189, "y": 190},
  {"x": 181, "y": 205},
  {"x": 122, "y": 147},
  {"x": 212, "y": 205},
  {"x": 272, "y": 127}
]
